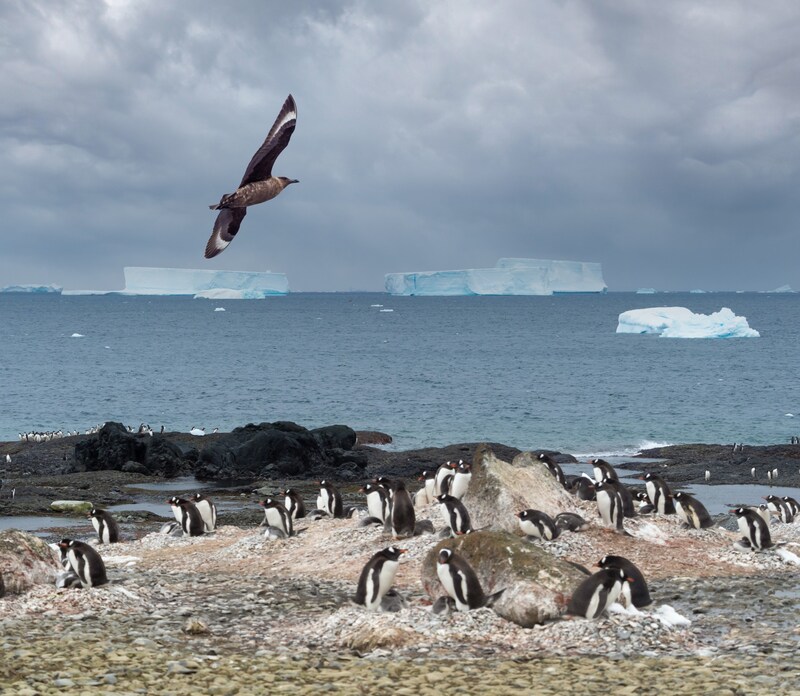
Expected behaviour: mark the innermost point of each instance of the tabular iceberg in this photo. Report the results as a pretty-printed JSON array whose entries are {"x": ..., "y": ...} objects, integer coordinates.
[
  {"x": 680, "y": 322},
  {"x": 508, "y": 277},
  {"x": 203, "y": 283}
]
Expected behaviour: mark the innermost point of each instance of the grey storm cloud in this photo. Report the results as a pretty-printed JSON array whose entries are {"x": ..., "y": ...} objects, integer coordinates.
[{"x": 660, "y": 139}]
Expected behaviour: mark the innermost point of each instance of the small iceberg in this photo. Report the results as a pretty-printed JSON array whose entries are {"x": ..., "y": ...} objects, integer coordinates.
[
  {"x": 646, "y": 291},
  {"x": 680, "y": 322},
  {"x": 219, "y": 309},
  {"x": 782, "y": 288},
  {"x": 76, "y": 335},
  {"x": 386, "y": 310}
]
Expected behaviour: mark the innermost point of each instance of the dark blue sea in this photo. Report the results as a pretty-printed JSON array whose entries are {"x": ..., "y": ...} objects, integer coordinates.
[{"x": 533, "y": 372}]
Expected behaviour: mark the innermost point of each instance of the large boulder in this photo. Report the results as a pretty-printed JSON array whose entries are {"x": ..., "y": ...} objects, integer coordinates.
[
  {"x": 26, "y": 560},
  {"x": 536, "y": 585},
  {"x": 498, "y": 490}
]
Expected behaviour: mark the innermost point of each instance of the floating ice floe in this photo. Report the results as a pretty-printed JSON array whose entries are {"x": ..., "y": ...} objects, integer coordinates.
[
  {"x": 680, "y": 322},
  {"x": 219, "y": 309},
  {"x": 646, "y": 291},
  {"x": 386, "y": 310},
  {"x": 76, "y": 335}
]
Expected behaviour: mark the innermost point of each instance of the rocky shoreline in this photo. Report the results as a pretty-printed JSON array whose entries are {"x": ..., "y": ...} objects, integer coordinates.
[{"x": 231, "y": 613}]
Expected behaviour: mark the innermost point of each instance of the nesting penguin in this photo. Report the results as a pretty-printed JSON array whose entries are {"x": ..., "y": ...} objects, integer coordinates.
[
  {"x": 645, "y": 506},
  {"x": 85, "y": 562},
  {"x": 582, "y": 487},
  {"x": 754, "y": 530},
  {"x": 207, "y": 510},
  {"x": 293, "y": 502},
  {"x": 659, "y": 493},
  {"x": 277, "y": 518},
  {"x": 538, "y": 524},
  {"x": 187, "y": 516},
  {"x": 570, "y": 522},
  {"x": 403, "y": 519},
  {"x": 377, "y": 577},
  {"x": 635, "y": 591},
  {"x": 329, "y": 500},
  {"x": 692, "y": 511},
  {"x": 461, "y": 583},
  {"x": 596, "y": 593},
  {"x": 105, "y": 525},
  {"x": 455, "y": 515}
]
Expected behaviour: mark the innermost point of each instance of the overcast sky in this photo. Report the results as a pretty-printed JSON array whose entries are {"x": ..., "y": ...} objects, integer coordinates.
[{"x": 660, "y": 139}]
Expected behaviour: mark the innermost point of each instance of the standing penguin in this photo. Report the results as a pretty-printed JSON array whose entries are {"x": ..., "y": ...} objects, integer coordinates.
[
  {"x": 403, "y": 518},
  {"x": 460, "y": 480},
  {"x": 794, "y": 506},
  {"x": 636, "y": 591},
  {"x": 443, "y": 476},
  {"x": 188, "y": 516},
  {"x": 293, "y": 502},
  {"x": 596, "y": 593},
  {"x": 461, "y": 583},
  {"x": 277, "y": 517},
  {"x": 603, "y": 471},
  {"x": 609, "y": 504},
  {"x": 659, "y": 493},
  {"x": 692, "y": 511},
  {"x": 207, "y": 510},
  {"x": 780, "y": 508},
  {"x": 455, "y": 514},
  {"x": 329, "y": 499},
  {"x": 535, "y": 523},
  {"x": 554, "y": 468},
  {"x": 754, "y": 530},
  {"x": 105, "y": 525},
  {"x": 377, "y": 577},
  {"x": 429, "y": 479},
  {"x": 625, "y": 496},
  {"x": 85, "y": 562},
  {"x": 377, "y": 501}
]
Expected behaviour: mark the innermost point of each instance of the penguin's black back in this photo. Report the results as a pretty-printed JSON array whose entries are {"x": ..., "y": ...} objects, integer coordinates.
[{"x": 640, "y": 593}]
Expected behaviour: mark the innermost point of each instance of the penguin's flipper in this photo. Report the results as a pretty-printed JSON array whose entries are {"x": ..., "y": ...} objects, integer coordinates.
[{"x": 492, "y": 598}]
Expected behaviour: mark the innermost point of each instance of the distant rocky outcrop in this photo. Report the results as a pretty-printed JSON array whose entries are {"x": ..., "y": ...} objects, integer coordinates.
[{"x": 25, "y": 560}]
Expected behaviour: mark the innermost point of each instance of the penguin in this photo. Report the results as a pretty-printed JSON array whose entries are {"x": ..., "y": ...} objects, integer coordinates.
[
  {"x": 207, "y": 510},
  {"x": 385, "y": 483},
  {"x": 779, "y": 508},
  {"x": 659, "y": 493},
  {"x": 403, "y": 519},
  {"x": 377, "y": 577},
  {"x": 377, "y": 501},
  {"x": 692, "y": 511},
  {"x": 609, "y": 503},
  {"x": 460, "y": 480},
  {"x": 645, "y": 506},
  {"x": 554, "y": 468},
  {"x": 105, "y": 525},
  {"x": 634, "y": 592},
  {"x": 754, "y": 530},
  {"x": 188, "y": 516},
  {"x": 603, "y": 471},
  {"x": 461, "y": 583},
  {"x": 538, "y": 524},
  {"x": 583, "y": 488},
  {"x": 569, "y": 521},
  {"x": 429, "y": 478},
  {"x": 85, "y": 562},
  {"x": 293, "y": 502},
  {"x": 455, "y": 514},
  {"x": 329, "y": 499},
  {"x": 763, "y": 511},
  {"x": 628, "y": 509},
  {"x": 443, "y": 473},
  {"x": 277, "y": 516},
  {"x": 794, "y": 506},
  {"x": 596, "y": 593}
]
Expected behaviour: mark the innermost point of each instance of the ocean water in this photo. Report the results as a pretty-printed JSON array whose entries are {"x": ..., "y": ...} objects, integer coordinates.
[{"x": 533, "y": 372}]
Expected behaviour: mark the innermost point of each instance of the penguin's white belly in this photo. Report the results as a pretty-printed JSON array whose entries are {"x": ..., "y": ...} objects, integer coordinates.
[
  {"x": 375, "y": 506},
  {"x": 385, "y": 581},
  {"x": 459, "y": 485},
  {"x": 604, "y": 506}
]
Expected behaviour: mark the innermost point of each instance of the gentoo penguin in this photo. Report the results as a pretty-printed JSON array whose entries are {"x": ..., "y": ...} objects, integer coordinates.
[
  {"x": 441, "y": 483},
  {"x": 779, "y": 508},
  {"x": 692, "y": 511},
  {"x": 85, "y": 562},
  {"x": 460, "y": 480},
  {"x": 538, "y": 524},
  {"x": 277, "y": 516},
  {"x": 625, "y": 495},
  {"x": 207, "y": 510},
  {"x": 293, "y": 502},
  {"x": 754, "y": 530},
  {"x": 596, "y": 593},
  {"x": 329, "y": 499},
  {"x": 553, "y": 468},
  {"x": 603, "y": 471},
  {"x": 583, "y": 488},
  {"x": 403, "y": 519},
  {"x": 377, "y": 501},
  {"x": 257, "y": 185},
  {"x": 636, "y": 591},
  {"x": 377, "y": 577},
  {"x": 794, "y": 506},
  {"x": 659, "y": 493},
  {"x": 461, "y": 583},
  {"x": 570, "y": 522},
  {"x": 188, "y": 516},
  {"x": 609, "y": 504},
  {"x": 645, "y": 506},
  {"x": 105, "y": 525},
  {"x": 455, "y": 515},
  {"x": 429, "y": 478}
]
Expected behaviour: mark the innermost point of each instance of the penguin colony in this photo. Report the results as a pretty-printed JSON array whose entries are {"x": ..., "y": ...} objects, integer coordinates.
[{"x": 390, "y": 505}]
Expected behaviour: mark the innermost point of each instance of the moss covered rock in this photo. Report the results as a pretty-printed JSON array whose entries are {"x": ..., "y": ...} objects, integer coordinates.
[{"x": 25, "y": 560}]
